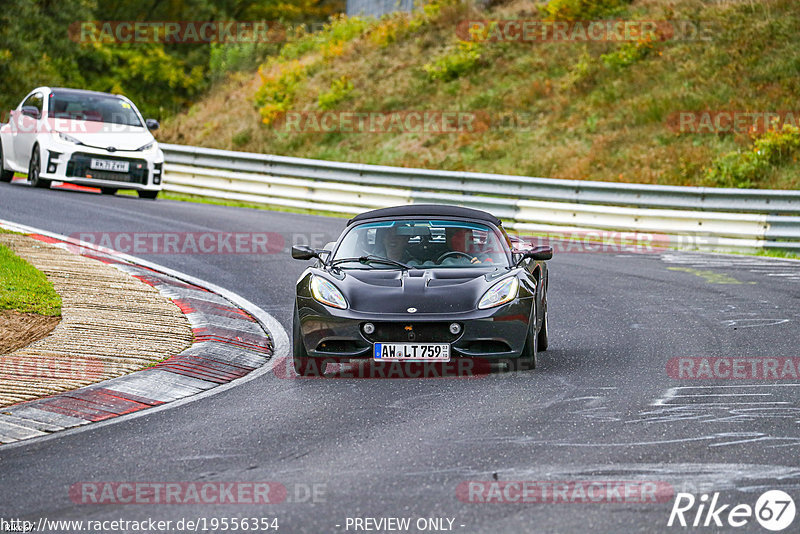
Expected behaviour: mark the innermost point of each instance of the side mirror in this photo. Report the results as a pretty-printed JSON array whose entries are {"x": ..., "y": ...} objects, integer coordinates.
[
  {"x": 152, "y": 124},
  {"x": 302, "y": 252},
  {"x": 31, "y": 111},
  {"x": 541, "y": 253},
  {"x": 538, "y": 254}
]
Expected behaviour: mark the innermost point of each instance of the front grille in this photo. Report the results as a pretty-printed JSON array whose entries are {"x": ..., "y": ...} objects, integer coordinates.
[
  {"x": 338, "y": 345},
  {"x": 419, "y": 332},
  {"x": 487, "y": 346},
  {"x": 79, "y": 166}
]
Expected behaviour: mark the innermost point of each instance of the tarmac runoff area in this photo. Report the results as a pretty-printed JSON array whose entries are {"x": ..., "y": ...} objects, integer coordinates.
[{"x": 130, "y": 338}]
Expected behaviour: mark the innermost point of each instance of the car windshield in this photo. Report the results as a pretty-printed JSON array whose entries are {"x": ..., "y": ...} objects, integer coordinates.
[
  {"x": 92, "y": 107},
  {"x": 422, "y": 244}
]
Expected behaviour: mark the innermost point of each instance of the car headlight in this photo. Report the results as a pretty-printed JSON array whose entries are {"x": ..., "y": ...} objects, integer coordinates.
[
  {"x": 148, "y": 146},
  {"x": 327, "y": 293},
  {"x": 500, "y": 293},
  {"x": 68, "y": 138}
]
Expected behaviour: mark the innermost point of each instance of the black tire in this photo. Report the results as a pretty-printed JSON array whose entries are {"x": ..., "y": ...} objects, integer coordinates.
[
  {"x": 529, "y": 357},
  {"x": 151, "y": 195},
  {"x": 34, "y": 169},
  {"x": 5, "y": 176},
  {"x": 542, "y": 338},
  {"x": 303, "y": 364},
  {"x": 108, "y": 190}
]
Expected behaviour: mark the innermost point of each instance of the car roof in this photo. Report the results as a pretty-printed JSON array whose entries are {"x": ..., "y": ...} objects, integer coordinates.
[
  {"x": 426, "y": 210},
  {"x": 82, "y": 92}
]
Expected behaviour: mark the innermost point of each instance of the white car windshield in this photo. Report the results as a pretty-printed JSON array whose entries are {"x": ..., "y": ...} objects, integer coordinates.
[
  {"x": 422, "y": 244},
  {"x": 92, "y": 107}
]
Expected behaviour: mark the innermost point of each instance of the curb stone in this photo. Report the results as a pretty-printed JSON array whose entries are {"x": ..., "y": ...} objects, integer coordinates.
[{"x": 229, "y": 344}]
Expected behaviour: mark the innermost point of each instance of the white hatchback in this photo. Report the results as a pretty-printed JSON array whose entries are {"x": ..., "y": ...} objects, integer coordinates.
[{"x": 81, "y": 137}]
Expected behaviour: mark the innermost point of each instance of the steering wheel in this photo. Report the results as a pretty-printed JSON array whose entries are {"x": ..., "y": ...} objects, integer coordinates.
[{"x": 453, "y": 253}]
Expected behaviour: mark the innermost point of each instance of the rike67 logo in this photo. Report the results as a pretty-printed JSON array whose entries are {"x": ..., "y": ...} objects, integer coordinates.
[{"x": 774, "y": 510}]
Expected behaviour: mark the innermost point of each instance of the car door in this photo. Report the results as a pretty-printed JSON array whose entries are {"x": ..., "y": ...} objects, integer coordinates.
[{"x": 26, "y": 126}]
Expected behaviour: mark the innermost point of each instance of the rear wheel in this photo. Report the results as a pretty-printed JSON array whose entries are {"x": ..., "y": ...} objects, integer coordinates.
[
  {"x": 152, "y": 195},
  {"x": 5, "y": 176},
  {"x": 108, "y": 190},
  {"x": 35, "y": 169},
  {"x": 541, "y": 339},
  {"x": 303, "y": 364}
]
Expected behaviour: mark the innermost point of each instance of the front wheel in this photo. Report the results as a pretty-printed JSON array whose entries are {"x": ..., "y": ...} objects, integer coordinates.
[
  {"x": 152, "y": 195},
  {"x": 542, "y": 338},
  {"x": 303, "y": 364},
  {"x": 5, "y": 176},
  {"x": 35, "y": 169},
  {"x": 529, "y": 357}
]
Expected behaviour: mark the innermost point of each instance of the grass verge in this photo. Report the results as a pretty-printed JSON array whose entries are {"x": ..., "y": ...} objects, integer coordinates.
[
  {"x": 24, "y": 288},
  {"x": 598, "y": 110},
  {"x": 240, "y": 204}
]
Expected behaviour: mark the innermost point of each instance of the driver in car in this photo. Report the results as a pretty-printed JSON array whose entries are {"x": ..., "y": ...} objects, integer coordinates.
[
  {"x": 395, "y": 244},
  {"x": 461, "y": 243}
]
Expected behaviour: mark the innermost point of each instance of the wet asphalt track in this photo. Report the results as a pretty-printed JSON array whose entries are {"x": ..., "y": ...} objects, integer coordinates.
[{"x": 600, "y": 406}]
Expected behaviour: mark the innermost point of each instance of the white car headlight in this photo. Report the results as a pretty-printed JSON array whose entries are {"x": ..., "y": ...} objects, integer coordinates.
[
  {"x": 68, "y": 138},
  {"x": 148, "y": 146},
  {"x": 327, "y": 293},
  {"x": 500, "y": 293}
]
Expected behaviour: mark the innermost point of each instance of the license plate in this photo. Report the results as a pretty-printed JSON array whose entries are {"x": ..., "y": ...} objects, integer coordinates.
[
  {"x": 109, "y": 165},
  {"x": 437, "y": 352}
]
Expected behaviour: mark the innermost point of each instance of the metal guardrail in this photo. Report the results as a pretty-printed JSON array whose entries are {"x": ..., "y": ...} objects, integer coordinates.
[{"x": 725, "y": 219}]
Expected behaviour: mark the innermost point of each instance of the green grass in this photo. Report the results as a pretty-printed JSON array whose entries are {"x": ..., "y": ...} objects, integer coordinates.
[
  {"x": 24, "y": 288},
  {"x": 240, "y": 204},
  {"x": 777, "y": 253}
]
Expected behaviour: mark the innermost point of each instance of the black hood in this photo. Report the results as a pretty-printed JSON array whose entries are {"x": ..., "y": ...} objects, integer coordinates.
[{"x": 428, "y": 290}]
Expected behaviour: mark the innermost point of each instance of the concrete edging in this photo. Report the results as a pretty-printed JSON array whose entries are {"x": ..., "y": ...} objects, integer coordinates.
[{"x": 235, "y": 341}]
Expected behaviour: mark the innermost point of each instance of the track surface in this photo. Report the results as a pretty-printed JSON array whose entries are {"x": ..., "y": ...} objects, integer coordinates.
[{"x": 600, "y": 407}]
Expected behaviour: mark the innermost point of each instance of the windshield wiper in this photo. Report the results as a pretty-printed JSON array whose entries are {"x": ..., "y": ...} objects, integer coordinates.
[{"x": 366, "y": 260}]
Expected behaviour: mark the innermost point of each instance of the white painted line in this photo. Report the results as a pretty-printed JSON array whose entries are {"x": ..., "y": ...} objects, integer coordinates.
[
  {"x": 280, "y": 339},
  {"x": 737, "y": 386},
  {"x": 704, "y": 404},
  {"x": 725, "y": 395}
]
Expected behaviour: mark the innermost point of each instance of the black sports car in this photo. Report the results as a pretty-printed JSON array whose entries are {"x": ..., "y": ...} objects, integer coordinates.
[{"x": 421, "y": 283}]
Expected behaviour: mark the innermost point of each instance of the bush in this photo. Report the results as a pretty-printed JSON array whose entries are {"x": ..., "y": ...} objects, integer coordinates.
[
  {"x": 236, "y": 57},
  {"x": 583, "y": 9},
  {"x": 396, "y": 26},
  {"x": 455, "y": 63},
  {"x": 339, "y": 30},
  {"x": 276, "y": 94},
  {"x": 746, "y": 169},
  {"x": 628, "y": 54},
  {"x": 339, "y": 92}
]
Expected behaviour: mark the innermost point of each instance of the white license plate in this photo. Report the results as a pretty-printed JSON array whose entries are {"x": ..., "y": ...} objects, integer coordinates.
[
  {"x": 109, "y": 165},
  {"x": 436, "y": 352}
]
